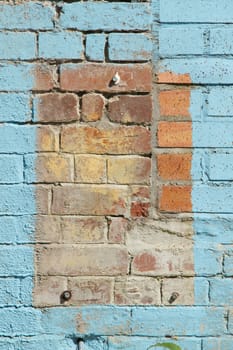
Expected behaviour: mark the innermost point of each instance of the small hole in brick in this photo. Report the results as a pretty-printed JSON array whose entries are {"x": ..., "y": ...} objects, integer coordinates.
[{"x": 173, "y": 297}]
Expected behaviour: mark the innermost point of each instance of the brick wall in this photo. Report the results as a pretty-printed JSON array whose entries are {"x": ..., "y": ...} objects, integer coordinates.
[{"x": 115, "y": 174}]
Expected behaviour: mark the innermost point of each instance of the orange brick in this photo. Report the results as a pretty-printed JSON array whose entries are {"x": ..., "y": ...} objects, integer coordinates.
[
  {"x": 98, "y": 77},
  {"x": 174, "y": 78},
  {"x": 92, "y": 107},
  {"x": 175, "y": 134},
  {"x": 174, "y": 166},
  {"x": 176, "y": 199},
  {"x": 122, "y": 140},
  {"x": 174, "y": 103}
]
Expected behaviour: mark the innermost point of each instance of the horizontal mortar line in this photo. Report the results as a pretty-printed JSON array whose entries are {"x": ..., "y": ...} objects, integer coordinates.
[{"x": 192, "y": 22}]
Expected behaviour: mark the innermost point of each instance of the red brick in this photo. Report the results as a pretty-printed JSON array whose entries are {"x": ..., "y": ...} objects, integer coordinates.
[
  {"x": 55, "y": 107},
  {"x": 174, "y": 103},
  {"x": 174, "y": 166},
  {"x": 176, "y": 199},
  {"x": 140, "y": 209},
  {"x": 130, "y": 109},
  {"x": 45, "y": 77},
  {"x": 175, "y": 134},
  {"x": 92, "y": 107},
  {"x": 90, "y": 200},
  {"x": 98, "y": 77},
  {"x": 122, "y": 140}
]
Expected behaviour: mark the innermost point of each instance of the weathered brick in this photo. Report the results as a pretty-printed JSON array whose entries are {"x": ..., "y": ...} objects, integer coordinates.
[
  {"x": 140, "y": 192},
  {"x": 82, "y": 260},
  {"x": 48, "y": 290},
  {"x": 166, "y": 262},
  {"x": 48, "y": 229},
  {"x": 46, "y": 139},
  {"x": 90, "y": 169},
  {"x": 129, "y": 170},
  {"x": 137, "y": 291},
  {"x": 90, "y": 76},
  {"x": 90, "y": 290},
  {"x": 48, "y": 168},
  {"x": 175, "y": 103},
  {"x": 78, "y": 229},
  {"x": 175, "y": 199},
  {"x": 184, "y": 287},
  {"x": 42, "y": 194},
  {"x": 90, "y": 200},
  {"x": 117, "y": 230},
  {"x": 175, "y": 134},
  {"x": 174, "y": 166},
  {"x": 92, "y": 107},
  {"x": 130, "y": 109},
  {"x": 121, "y": 140},
  {"x": 139, "y": 209},
  {"x": 55, "y": 107},
  {"x": 44, "y": 77}
]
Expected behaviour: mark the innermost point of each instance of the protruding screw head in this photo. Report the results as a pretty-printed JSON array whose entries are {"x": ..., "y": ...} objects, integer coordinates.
[
  {"x": 66, "y": 295},
  {"x": 116, "y": 79}
]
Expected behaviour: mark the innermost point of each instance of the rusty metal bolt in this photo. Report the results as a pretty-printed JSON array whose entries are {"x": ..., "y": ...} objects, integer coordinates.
[
  {"x": 66, "y": 295},
  {"x": 173, "y": 297}
]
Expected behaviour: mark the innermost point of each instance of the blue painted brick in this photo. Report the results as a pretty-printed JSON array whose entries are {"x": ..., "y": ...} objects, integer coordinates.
[
  {"x": 208, "y": 70},
  {"x": 16, "y": 77},
  {"x": 221, "y": 291},
  {"x": 106, "y": 16},
  {"x": 212, "y": 199},
  {"x": 17, "y": 45},
  {"x": 16, "y": 261},
  {"x": 7, "y": 344},
  {"x": 230, "y": 322},
  {"x": 95, "y": 47},
  {"x": 47, "y": 343},
  {"x": 220, "y": 102},
  {"x": 17, "y": 139},
  {"x": 217, "y": 343},
  {"x": 228, "y": 264},
  {"x": 11, "y": 169},
  {"x": 30, "y": 15},
  {"x": 61, "y": 45},
  {"x": 213, "y": 11},
  {"x": 129, "y": 47},
  {"x": 19, "y": 321},
  {"x": 221, "y": 41},
  {"x": 220, "y": 167},
  {"x": 208, "y": 261},
  {"x": 16, "y": 229},
  {"x": 17, "y": 200},
  {"x": 15, "y": 107},
  {"x": 201, "y": 291},
  {"x": 181, "y": 41},
  {"x": 26, "y": 287},
  {"x": 177, "y": 321},
  {"x": 142, "y": 343},
  {"x": 9, "y": 291},
  {"x": 212, "y": 135}
]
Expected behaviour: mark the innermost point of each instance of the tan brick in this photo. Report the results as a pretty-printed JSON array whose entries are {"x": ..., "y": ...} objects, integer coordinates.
[
  {"x": 48, "y": 228},
  {"x": 140, "y": 192},
  {"x": 99, "y": 77},
  {"x": 90, "y": 200},
  {"x": 176, "y": 199},
  {"x": 166, "y": 262},
  {"x": 175, "y": 134},
  {"x": 90, "y": 290},
  {"x": 137, "y": 291},
  {"x": 91, "y": 229},
  {"x": 53, "y": 168},
  {"x": 56, "y": 107},
  {"x": 174, "y": 166},
  {"x": 184, "y": 287},
  {"x": 130, "y": 109},
  {"x": 82, "y": 260},
  {"x": 117, "y": 230},
  {"x": 42, "y": 195},
  {"x": 175, "y": 103},
  {"x": 92, "y": 107},
  {"x": 44, "y": 76},
  {"x": 90, "y": 169},
  {"x": 46, "y": 139},
  {"x": 129, "y": 170},
  {"x": 48, "y": 291},
  {"x": 121, "y": 140}
]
